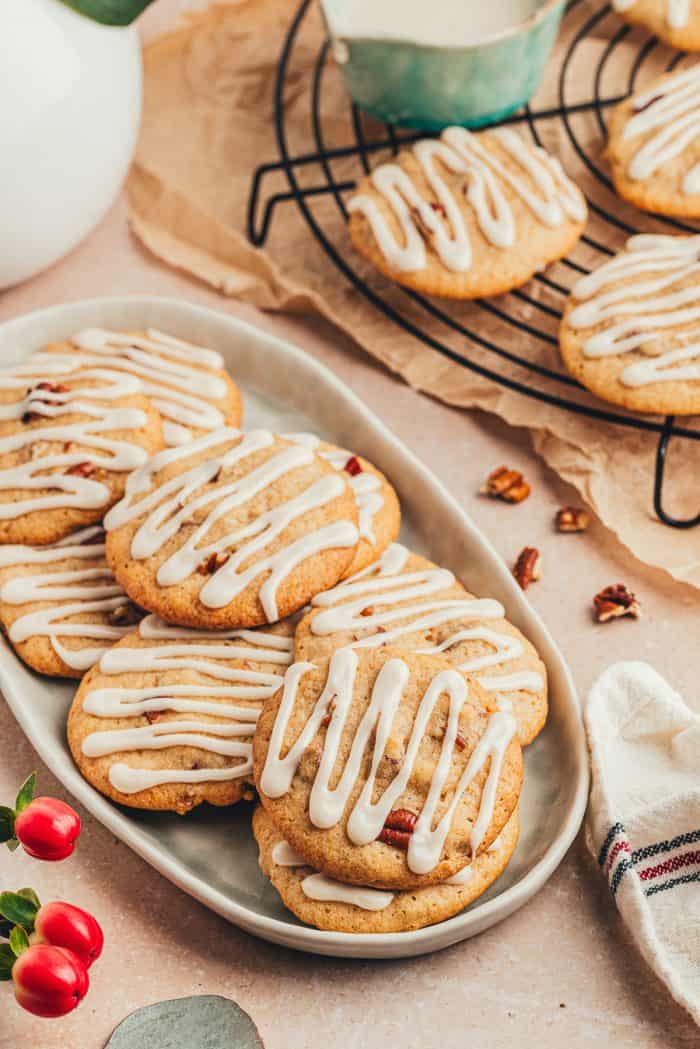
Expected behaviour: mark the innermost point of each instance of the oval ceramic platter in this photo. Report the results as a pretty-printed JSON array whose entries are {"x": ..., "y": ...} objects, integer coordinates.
[{"x": 211, "y": 854}]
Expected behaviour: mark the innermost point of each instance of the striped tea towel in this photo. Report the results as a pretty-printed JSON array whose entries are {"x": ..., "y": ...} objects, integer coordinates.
[{"x": 644, "y": 818}]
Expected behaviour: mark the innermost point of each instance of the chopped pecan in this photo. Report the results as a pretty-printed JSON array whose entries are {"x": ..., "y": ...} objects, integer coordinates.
[
  {"x": 440, "y": 208},
  {"x": 572, "y": 519},
  {"x": 85, "y": 469},
  {"x": 528, "y": 567},
  {"x": 52, "y": 387},
  {"x": 615, "y": 601},
  {"x": 151, "y": 716},
  {"x": 353, "y": 466},
  {"x": 125, "y": 615},
  {"x": 460, "y": 741},
  {"x": 398, "y": 828},
  {"x": 209, "y": 565},
  {"x": 367, "y": 611},
  {"x": 506, "y": 484}
]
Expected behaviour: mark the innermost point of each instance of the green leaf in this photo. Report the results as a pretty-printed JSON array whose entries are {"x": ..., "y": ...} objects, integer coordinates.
[
  {"x": 5, "y": 928},
  {"x": 12, "y": 844},
  {"x": 110, "y": 12},
  {"x": 7, "y": 960},
  {"x": 18, "y": 909},
  {"x": 26, "y": 793},
  {"x": 19, "y": 941},
  {"x": 7, "y": 823},
  {"x": 30, "y": 895}
]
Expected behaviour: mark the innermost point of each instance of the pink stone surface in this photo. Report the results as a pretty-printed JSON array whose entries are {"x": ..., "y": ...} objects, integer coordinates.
[{"x": 560, "y": 972}]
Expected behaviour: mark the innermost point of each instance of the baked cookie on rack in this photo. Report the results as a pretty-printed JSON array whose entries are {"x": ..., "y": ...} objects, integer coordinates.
[
  {"x": 387, "y": 770},
  {"x": 165, "y": 720},
  {"x": 186, "y": 383},
  {"x": 654, "y": 145},
  {"x": 338, "y": 907},
  {"x": 631, "y": 329},
  {"x": 232, "y": 530},
  {"x": 377, "y": 503},
  {"x": 60, "y": 605},
  {"x": 67, "y": 447},
  {"x": 405, "y": 601},
  {"x": 466, "y": 215},
  {"x": 676, "y": 22}
]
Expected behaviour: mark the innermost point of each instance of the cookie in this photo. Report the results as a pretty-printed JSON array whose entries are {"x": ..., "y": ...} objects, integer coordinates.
[
  {"x": 630, "y": 330},
  {"x": 467, "y": 214},
  {"x": 232, "y": 530},
  {"x": 60, "y": 604},
  {"x": 654, "y": 146},
  {"x": 388, "y": 770},
  {"x": 164, "y": 721},
  {"x": 405, "y": 601},
  {"x": 336, "y": 907},
  {"x": 187, "y": 384},
  {"x": 677, "y": 22},
  {"x": 67, "y": 447},
  {"x": 377, "y": 503}
]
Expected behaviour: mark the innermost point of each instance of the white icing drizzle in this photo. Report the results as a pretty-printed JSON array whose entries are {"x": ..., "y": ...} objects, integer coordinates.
[
  {"x": 553, "y": 199},
  {"x": 169, "y": 505},
  {"x": 394, "y": 591},
  {"x": 366, "y": 486},
  {"x": 367, "y": 817},
  {"x": 671, "y": 111},
  {"x": 187, "y": 651},
  {"x": 319, "y": 887},
  {"x": 71, "y": 490},
  {"x": 645, "y": 313},
  {"x": 677, "y": 11},
  {"x": 283, "y": 855},
  {"x": 78, "y": 591}
]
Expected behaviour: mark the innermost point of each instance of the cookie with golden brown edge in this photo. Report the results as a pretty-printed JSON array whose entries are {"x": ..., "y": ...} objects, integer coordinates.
[
  {"x": 186, "y": 383},
  {"x": 629, "y": 332},
  {"x": 232, "y": 530},
  {"x": 66, "y": 448},
  {"x": 165, "y": 720},
  {"x": 377, "y": 503},
  {"x": 388, "y": 770},
  {"x": 466, "y": 215},
  {"x": 405, "y": 601},
  {"x": 337, "y": 907},
  {"x": 60, "y": 605},
  {"x": 654, "y": 145},
  {"x": 677, "y": 24}
]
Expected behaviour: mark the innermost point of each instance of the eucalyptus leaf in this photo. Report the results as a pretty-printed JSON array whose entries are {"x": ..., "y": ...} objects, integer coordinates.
[
  {"x": 201, "y": 1022},
  {"x": 7, "y": 960},
  {"x": 26, "y": 793},
  {"x": 19, "y": 941},
  {"x": 18, "y": 909},
  {"x": 110, "y": 12}
]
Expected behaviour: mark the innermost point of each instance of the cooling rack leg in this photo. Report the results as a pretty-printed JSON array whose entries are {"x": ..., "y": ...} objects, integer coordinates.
[{"x": 661, "y": 452}]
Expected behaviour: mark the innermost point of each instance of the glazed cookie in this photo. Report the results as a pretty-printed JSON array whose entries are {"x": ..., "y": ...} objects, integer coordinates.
[
  {"x": 407, "y": 602},
  {"x": 387, "y": 770},
  {"x": 165, "y": 720},
  {"x": 187, "y": 384},
  {"x": 232, "y": 530},
  {"x": 467, "y": 214},
  {"x": 377, "y": 503},
  {"x": 60, "y": 605},
  {"x": 67, "y": 447},
  {"x": 630, "y": 330},
  {"x": 332, "y": 905},
  {"x": 677, "y": 22},
  {"x": 654, "y": 146}
]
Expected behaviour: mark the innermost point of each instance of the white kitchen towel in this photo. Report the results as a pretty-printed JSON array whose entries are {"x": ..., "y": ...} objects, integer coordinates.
[{"x": 644, "y": 818}]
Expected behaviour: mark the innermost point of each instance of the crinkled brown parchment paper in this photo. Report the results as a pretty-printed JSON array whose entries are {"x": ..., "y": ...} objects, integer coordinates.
[{"x": 208, "y": 123}]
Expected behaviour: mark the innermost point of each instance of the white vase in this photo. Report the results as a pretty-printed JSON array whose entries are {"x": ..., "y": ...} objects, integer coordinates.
[{"x": 70, "y": 104}]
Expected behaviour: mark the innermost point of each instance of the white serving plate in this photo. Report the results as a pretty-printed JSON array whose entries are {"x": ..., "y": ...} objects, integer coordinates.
[{"x": 211, "y": 854}]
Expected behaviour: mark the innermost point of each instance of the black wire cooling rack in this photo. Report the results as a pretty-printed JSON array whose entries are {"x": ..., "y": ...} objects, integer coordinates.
[{"x": 527, "y": 315}]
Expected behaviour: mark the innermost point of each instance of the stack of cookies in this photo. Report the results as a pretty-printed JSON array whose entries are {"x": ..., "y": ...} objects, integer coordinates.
[{"x": 244, "y": 623}]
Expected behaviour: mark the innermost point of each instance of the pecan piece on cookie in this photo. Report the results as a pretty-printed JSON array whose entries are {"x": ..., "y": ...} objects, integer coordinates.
[
  {"x": 615, "y": 601},
  {"x": 398, "y": 828}
]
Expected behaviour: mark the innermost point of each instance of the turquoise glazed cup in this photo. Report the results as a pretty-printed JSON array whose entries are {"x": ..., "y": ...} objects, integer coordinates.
[{"x": 428, "y": 87}]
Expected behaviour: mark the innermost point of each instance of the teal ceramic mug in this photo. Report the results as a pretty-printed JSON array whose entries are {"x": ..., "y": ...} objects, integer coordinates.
[{"x": 430, "y": 87}]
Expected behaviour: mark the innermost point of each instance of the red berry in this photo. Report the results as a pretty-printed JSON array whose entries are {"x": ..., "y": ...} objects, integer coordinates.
[
  {"x": 48, "y": 829},
  {"x": 64, "y": 925},
  {"x": 49, "y": 981}
]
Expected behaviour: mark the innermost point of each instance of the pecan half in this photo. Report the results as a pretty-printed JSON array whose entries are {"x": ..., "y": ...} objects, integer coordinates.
[
  {"x": 528, "y": 567},
  {"x": 209, "y": 565},
  {"x": 85, "y": 469},
  {"x": 398, "y": 828},
  {"x": 506, "y": 484},
  {"x": 353, "y": 466},
  {"x": 615, "y": 601},
  {"x": 572, "y": 519}
]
